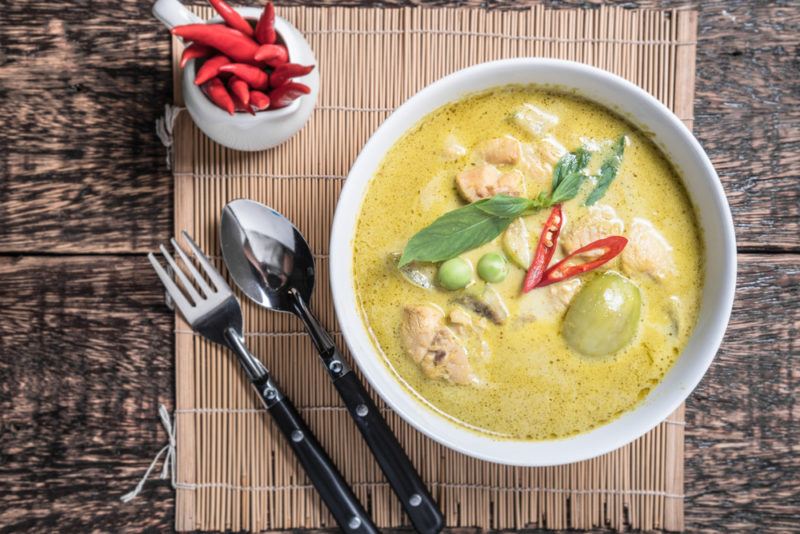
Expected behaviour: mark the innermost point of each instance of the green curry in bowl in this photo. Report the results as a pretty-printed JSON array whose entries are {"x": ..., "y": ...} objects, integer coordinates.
[{"x": 528, "y": 263}]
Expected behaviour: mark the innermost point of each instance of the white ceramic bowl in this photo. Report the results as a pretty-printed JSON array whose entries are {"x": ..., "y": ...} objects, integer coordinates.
[
  {"x": 243, "y": 131},
  {"x": 704, "y": 189}
]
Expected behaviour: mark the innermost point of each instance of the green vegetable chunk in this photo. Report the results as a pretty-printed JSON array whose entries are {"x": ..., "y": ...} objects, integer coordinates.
[
  {"x": 516, "y": 244},
  {"x": 492, "y": 267},
  {"x": 603, "y": 316},
  {"x": 455, "y": 274}
]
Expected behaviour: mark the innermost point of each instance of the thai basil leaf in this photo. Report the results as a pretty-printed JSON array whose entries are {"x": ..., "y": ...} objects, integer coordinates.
[
  {"x": 569, "y": 165},
  {"x": 608, "y": 171},
  {"x": 455, "y": 232},
  {"x": 504, "y": 206},
  {"x": 568, "y": 176}
]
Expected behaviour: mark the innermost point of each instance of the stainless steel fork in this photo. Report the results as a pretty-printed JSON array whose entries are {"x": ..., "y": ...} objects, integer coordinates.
[{"x": 212, "y": 310}]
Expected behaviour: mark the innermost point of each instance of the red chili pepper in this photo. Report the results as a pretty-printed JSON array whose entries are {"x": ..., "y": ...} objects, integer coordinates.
[
  {"x": 210, "y": 69},
  {"x": 545, "y": 249},
  {"x": 272, "y": 54},
  {"x": 286, "y": 93},
  {"x": 610, "y": 246},
  {"x": 285, "y": 72},
  {"x": 231, "y": 17},
  {"x": 228, "y": 41},
  {"x": 265, "y": 29},
  {"x": 216, "y": 91},
  {"x": 259, "y": 100},
  {"x": 239, "y": 88},
  {"x": 241, "y": 106},
  {"x": 194, "y": 51},
  {"x": 255, "y": 77}
]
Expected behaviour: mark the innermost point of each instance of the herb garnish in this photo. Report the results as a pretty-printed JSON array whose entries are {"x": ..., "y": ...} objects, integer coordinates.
[
  {"x": 608, "y": 171},
  {"x": 478, "y": 223}
]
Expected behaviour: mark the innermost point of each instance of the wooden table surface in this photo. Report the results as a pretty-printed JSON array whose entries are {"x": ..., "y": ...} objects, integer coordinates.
[{"x": 85, "y": 338}]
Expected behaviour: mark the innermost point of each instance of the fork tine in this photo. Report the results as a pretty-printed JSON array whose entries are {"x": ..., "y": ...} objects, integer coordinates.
[
  {"x": 172, "y": 288},
  {"x": 209, "y": 268},
  {"x": 198, "y": 278},
  {"x": 187, "y": 285}
]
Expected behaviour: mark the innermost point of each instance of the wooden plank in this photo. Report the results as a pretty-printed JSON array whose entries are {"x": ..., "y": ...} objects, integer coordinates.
[
  {"x": 85, "y": 358},
  {"x": 742, "y": 466},
  {"x": 102, "y": 72},
  {"x": 82, "y": 169}
]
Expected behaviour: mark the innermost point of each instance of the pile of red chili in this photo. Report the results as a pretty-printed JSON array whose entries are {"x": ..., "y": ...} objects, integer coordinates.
[
  {"x": 246, "y": 68},
  {"x": 598, "y": 253}
]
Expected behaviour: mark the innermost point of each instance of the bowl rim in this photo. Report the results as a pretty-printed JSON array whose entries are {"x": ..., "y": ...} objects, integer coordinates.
[{"x": 600, "y": 440}]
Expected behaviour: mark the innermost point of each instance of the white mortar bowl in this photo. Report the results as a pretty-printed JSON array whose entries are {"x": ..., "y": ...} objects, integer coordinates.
[
  {"x": 704, "y": 189},
  {"x": 242, "y": 131}
]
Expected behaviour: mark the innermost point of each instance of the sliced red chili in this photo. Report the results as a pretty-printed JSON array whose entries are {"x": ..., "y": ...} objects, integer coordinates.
[
  {"x": 272, "y": 54},
  {"x": 283, "y": 73},
  {"x": 194, "y": 51},
  {"x": 228, "y": 41},
  {"x": 609, "y": 246},
  {"x": 231, "y": 17},
  {"x": 286, "y": 93},
  {"x": 255, "y": 77},
  {"x": 265, "y": 28},
  {"x": 544, "y": 250},
  {"x": 216, "y": 91},
  {"x": 210, "y": 69}
]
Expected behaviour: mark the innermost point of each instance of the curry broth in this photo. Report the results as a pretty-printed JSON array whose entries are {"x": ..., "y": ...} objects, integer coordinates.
[{"x": 533, "y": 385}]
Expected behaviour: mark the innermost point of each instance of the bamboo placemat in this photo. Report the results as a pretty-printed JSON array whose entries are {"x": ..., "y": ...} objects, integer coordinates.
[{"x": 234, "y": 470}]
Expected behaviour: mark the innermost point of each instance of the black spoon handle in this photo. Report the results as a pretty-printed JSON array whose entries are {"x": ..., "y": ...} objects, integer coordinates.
[
  {"x": 332, "y": 487},
  {"x": 404, "y": 479},
  {"x": 398, "y": 469}
]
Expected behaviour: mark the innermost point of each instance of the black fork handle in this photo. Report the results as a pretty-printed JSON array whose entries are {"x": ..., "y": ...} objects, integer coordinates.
[{"x": 326, "y": 478}]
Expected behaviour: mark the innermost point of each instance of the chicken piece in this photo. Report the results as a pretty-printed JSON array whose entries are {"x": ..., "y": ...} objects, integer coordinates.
[
  {"x": 647, "y": 251},
  {"x": 534, "y": 120},
  {"x": 460, "y": 317},
  {"x": 561, "y": 294},
  {"x": 599, "y": 222},
  {"x": 549, "y": 302},
  {"x": 501, "y": 151},
  {"x": 461, "y": 321},
  {"x": 486, "y": 181},
  {"x": 452, "y": 149},
  {"x": 540, "y": 157},
  {"x": 550, "y": 150},
  {"x": 434, "y": 346}
]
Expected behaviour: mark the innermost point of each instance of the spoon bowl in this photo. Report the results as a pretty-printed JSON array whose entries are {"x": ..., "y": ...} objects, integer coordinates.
[{"x": 266, "y": 255}]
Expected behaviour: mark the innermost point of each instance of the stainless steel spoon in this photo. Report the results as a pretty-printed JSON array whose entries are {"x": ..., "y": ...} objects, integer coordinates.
[{"x": 271, "y": 262}]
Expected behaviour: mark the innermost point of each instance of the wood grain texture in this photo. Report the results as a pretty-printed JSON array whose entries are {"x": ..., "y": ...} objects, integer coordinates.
[
  {"x": 81, "y": 86},
  {"x": 85, "y": 359},
  {"x": 85, "y": 362},
  {"x": 101, "y": 70}
]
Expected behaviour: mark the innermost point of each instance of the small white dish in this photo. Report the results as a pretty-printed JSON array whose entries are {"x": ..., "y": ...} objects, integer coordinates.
[
  {"x": 703, "y": 186},
  {"x": 243, "y": 131}
]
